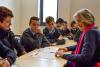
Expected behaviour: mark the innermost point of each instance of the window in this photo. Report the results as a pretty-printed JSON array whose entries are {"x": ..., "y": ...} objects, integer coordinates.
[{"x": 48, "y": 8}]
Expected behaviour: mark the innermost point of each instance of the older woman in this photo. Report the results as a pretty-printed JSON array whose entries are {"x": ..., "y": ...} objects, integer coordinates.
[{"x": 87, "y": 51}]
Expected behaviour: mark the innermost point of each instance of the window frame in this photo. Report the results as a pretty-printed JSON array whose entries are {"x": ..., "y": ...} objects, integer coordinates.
[{"x": 41, "y": 12}]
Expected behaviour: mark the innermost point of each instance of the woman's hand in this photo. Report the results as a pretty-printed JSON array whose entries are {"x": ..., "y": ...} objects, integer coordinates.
[
  {"x": 61, "y": 52},
  {"x": 64, "y": 49}
]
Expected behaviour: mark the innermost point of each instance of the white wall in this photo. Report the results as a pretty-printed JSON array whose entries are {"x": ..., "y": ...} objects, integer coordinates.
[
  {"x": 17, "y": 16},
  {"x": 93, "y": 5},
  {"x": 64, "y": 9},
  {"x": 69, "y": 7},
  {"x": 28, "y": 8}
]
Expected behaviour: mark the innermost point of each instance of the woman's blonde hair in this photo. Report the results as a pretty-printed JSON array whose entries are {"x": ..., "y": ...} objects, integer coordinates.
[{"x": 85, "y": 16}]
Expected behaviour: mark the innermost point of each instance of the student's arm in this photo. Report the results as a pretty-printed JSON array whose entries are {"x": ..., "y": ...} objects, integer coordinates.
[
  {"x": 77, "y": 35},
  {"x": 88, "y": 49},
  {"x": 29, "y": 42},
  {"x": 48, "y": 35},
  {"x": 7, "y": 53},
  {"x": 57, "y": 33},
  {"x": 19, "y": 48},
  {"x": 45, "y": 42},
  {"x": 71, "y": 48}
]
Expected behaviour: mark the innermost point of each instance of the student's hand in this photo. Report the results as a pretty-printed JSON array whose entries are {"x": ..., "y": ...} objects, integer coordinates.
[
  {"x": 4, "y": 63},
  {"x": 61, "y": 37},
  {"x": 59, "y": 53},
  {"x": 38, "y": 31}
]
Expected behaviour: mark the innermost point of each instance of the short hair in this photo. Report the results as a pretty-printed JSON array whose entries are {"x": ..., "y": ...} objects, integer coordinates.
[
  {"x": 65, "y": 22},
  {"x": 59, "y": 20},
  {"x": 33, "y": 18},
  {"x": 4, "y": 12},
  {"x": 72, "y": 23},
  {"x": 86, "y": 16},
  {"x": 49, "y": 19}
]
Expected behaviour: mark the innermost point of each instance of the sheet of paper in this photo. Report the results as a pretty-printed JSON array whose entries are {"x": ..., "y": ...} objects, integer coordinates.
[{"x": 44, "y": 53}]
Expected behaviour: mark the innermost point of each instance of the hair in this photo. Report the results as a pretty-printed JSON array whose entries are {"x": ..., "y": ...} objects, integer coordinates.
[
  {"x": 65, "y": 22},
  {"x": 49, "y": 19},
  {"x": 86, "y": 16},
  {"x": 33, "y": 18},
  {"x": 59, "y": 20},
  {"x": 5, "y": 12},
  {"x": 72, "y": 23}
]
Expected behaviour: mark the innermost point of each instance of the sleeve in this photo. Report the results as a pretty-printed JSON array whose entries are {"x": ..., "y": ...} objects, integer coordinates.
[
  {"x": 71, "y": 48},
  {"x": 7, "y": 53},
  {"x": 19, "y": 48},
  {"x": 87, "y": 51},
  {"x": 57, "y": 32},
  {"x": 77, "y": 35},
  {"x": 28, "y": 42},
  {"x": 48, "y": 35},
  {"x": 45, "y": 42}
]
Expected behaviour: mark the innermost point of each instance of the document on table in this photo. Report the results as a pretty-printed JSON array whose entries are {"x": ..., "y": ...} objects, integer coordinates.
[
  {"x": 14, "y": 66},
  {"x": 44, "y": 53}
]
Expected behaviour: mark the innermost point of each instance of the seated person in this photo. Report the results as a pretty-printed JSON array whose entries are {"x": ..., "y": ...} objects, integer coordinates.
[
  {"x": 77, "y": 35},
  {"x": 7, "y": 56},
  {"x": 33, "y": 37},
  {"x": 87, "y": 51},
  {"x": 74, "y": 27},
  {"x": 51, "y": 32},
  {"x": 60, "y": 25},
  {"x": 6, "y": 35},
  {"x": 66, "y": 30},
  {"x": 74, "y": 30}
]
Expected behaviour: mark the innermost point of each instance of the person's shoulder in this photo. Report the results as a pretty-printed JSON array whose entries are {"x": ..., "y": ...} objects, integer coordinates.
[
  {"x": 56, "y": 29},
  {"x": 26, "y": 30},
  {"x": 93, "y": 32},
  {"x": 46, "y": 28}
]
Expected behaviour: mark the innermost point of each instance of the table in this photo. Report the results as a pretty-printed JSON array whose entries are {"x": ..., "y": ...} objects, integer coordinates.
[{"x": 43, "y": 57}]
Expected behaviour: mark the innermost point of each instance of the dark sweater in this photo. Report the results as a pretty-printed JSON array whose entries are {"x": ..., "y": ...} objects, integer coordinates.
[
  {"x": 52, "y": 37},
  {"x": 7, "y": 53},
  {"x": 90, "y": 51},
  {"x": 9, "y": 40},
  {"x": 64, "y": 32},
  {"x": 31, "y": 42}
]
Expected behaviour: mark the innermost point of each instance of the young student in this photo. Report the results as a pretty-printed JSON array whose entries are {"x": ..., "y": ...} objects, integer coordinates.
[
  {"x": 33, "y": 37},
  {"x": 51, "y": 32},
  {"x": 87, "y": 51},
  {"x": 60, "y": 25},
  {"x": 74, "y": 31},
  {"x": 6, "y": 35},
  {"x": 66, "y": 30},
  {"x": 74, "y": 27},
  {"x": 7, "y": 56}
]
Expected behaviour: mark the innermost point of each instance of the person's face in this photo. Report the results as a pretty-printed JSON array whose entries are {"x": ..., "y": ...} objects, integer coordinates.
[
  {"x": 75, "y": 26},
  {"x": 34, "y": 25},
  {"x": 65, "y": 25},
  {"x": 59, "y": 24},
  {"x": 5, "y": 25},
  {"x": 80, "y": 24},
  {"x": 51, "y": 25}
]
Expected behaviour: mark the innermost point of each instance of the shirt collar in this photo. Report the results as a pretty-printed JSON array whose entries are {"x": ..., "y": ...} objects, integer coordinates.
[{"x": 33, "y": 33}]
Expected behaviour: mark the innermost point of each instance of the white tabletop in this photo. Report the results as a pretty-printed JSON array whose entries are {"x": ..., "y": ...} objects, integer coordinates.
[{"x": 43, "y": 57}]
